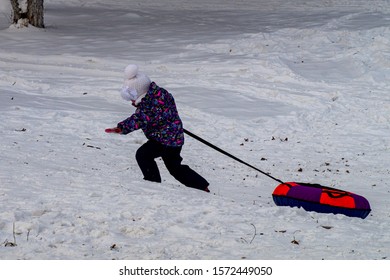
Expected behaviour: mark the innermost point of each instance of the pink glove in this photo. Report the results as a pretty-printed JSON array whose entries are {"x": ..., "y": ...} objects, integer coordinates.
[{"x": 113, "y": 130}]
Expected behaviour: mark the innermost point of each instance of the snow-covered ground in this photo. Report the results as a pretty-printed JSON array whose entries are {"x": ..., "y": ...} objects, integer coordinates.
[{"x": 299, "y": 89}]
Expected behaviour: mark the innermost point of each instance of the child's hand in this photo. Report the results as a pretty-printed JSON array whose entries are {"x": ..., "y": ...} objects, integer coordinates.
[{"x": 113, "y": 130}]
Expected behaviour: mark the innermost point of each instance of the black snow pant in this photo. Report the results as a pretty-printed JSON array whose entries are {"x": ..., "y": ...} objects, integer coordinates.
[{"x": 146, "y": 155}]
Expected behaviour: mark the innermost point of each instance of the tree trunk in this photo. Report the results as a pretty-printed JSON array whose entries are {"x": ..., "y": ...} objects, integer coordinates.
[
  {"x": 33, "y": 12},
  {"x": 17, "y": 11}
]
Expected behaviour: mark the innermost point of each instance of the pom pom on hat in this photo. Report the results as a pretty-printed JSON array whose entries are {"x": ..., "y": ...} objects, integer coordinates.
[
  {"x": 136, "y": 84},
  {"x": 131, "y": 71}
]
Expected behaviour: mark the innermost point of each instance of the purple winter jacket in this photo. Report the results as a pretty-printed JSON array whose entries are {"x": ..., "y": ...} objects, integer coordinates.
[{"x": 157, "y": 116}]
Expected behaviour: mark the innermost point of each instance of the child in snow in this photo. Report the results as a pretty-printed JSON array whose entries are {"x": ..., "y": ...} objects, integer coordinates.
[{"x": 157, "y": 116}]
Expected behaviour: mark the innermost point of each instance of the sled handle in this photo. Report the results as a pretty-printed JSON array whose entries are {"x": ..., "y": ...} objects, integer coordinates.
[{"x": 229, "y": 155}]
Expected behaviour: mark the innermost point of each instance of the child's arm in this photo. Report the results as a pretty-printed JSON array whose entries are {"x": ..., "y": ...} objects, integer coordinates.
[{"x": 139, "y": 120}]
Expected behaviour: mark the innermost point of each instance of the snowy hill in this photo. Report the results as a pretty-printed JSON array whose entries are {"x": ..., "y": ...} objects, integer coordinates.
[{"x": 297, "y": 88}]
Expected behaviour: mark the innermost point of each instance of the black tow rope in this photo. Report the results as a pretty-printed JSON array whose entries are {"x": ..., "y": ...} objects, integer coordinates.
[{"x": 229, "y": 155}]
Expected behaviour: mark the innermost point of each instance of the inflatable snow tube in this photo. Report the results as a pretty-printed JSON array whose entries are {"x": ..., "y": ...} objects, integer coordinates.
[{"x": 318, "y": 198}]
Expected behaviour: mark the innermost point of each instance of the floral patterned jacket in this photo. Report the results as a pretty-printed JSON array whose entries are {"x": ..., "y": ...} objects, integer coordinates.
[{"x": 157, "y": 116}]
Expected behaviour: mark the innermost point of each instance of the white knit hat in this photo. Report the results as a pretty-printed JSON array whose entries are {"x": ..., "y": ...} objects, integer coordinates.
[{"x": 135, "y": 85}]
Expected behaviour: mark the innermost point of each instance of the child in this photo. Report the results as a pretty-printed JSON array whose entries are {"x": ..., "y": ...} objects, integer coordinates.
[{"x": 157, "y": 116}]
